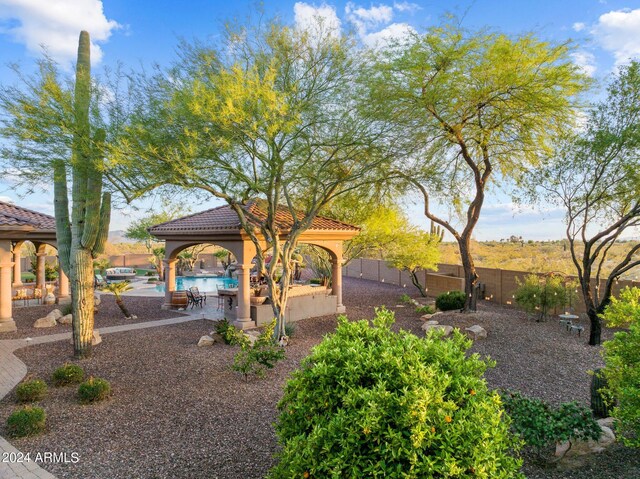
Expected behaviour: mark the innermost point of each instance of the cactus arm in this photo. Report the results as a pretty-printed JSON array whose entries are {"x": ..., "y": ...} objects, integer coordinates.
[
  {"x": 94, "y": 193},
  {"x": 61, "y": 206},
  {"x": 103, "y": 230}
]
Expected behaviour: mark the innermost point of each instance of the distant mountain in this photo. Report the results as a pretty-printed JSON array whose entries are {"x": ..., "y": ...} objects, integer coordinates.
[{"x": 118, "y": 236}]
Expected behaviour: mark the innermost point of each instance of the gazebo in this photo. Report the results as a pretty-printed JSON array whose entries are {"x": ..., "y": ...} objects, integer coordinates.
[
  {"x": 18, "y": 225},
  {"x": 221, "y": 226}
]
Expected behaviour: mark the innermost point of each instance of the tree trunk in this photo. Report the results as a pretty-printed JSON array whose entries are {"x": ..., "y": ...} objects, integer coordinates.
[
  {"x": 417, "y": 284},
  {"x": 595, "y": 324},
  {"x": 82, "y": 301},
  {"x": 122, "y": 307},
  {"x": 470, "y": 276}
]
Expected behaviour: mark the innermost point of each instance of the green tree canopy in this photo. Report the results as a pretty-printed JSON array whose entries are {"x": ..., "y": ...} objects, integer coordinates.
[
  {"x": 267, "y": 113},
  {"x": 470, "y": 105}
]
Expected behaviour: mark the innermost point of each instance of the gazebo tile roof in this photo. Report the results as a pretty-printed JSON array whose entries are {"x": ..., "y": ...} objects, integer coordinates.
[
  {"x": 224, "y": 218},
  {"x": 12, "y": 215}
]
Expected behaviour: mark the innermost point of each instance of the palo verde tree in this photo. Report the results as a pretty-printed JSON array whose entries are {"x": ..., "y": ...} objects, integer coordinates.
[
  {"x": 51, "y": 133},
  {"x": 471, "y": 106},
  {"x": 267, "y": 115},
  {"x": 595, "y": 176}
]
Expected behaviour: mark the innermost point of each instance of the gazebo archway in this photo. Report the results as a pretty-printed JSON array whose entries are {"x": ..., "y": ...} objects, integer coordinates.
[
  {"x": 18, "y": 225},
  {"x": 221, "y": 226}
]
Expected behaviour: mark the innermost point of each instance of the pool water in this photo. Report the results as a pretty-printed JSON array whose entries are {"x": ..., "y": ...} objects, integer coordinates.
[{"x": 206, "y": 284}]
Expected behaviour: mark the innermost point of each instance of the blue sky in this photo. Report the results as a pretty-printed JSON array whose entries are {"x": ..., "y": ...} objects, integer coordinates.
[{"x": 144, "y": 32}]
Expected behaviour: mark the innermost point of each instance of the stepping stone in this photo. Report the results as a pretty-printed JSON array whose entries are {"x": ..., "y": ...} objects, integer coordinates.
[{"x": 476, "y": 332}]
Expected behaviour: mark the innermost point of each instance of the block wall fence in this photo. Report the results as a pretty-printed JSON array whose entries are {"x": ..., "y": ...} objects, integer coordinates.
[{"x": 499, "y": 284}]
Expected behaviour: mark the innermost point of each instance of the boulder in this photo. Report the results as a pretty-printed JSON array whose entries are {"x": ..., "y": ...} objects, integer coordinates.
[
  {"x": 606, "y": 422},
  {"x": 431, "y": 321},
  {"x": 437, "y": 327},
  {"x": 56, "y": 313},
  {"x": 47, "y": 322},
  {"x": 206, "y": 341},
  {"x": 97, "y": 339},
  {"x": 216, "y": 337},
  {"x": 476, "y": 332},
  {"x": 575, "y": 454},
  {"x": 284, "y": 341},
  {"x": 427, "y": 317},
  {"x": 252, "y": 336},
  {"x": 96, "y": 299},
  {"x": 68, "y": 319}
]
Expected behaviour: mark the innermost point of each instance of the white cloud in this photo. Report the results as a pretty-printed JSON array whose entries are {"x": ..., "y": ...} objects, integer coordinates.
[
  {"x": 406, "y": 7},
  {"x": 394, "y": 32},
  {"x": 56, "y": 24},
  {"x": 310, "y": 17},
  {"x": 366, "y": 18},
  {"x": 617, "y": 32},
  {"x": 578, "y": 26},
  {"x": 585, "y": 61}
]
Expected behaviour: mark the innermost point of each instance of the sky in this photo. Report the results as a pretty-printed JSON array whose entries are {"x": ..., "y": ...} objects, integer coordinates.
[{"x": 144, "y": 32}]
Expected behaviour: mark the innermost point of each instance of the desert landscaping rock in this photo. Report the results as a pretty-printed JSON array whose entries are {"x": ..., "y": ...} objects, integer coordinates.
[
  {"x": 48, "y": 321},
  {"x": 56, "y": 313},
  {"x": 97, "y": 339},
  {"x": 476, "y": 332},
  {"x": 576, "y": 454},
  {"x": 432, "y": 322},
  {"x": 427, "y": 317},
  {"x": 206, "y": 341},
  {"x": 68, "y": 319},
  {"x": 437, "y": 327}
]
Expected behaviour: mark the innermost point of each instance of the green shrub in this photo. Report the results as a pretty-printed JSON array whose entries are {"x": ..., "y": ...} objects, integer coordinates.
[
  {"x": 425, "y": 309},
  {"x": 370, "y": 402},
  {"x": 66, "y": 309},
  {"x": 94, "y": 390},
  {"x": 622, "y": 364},
  {"x": 450, "y": 300},
  {"x": 26, "y": 421},
  {"x": 67, "y": 374},
  {"x": 405, "y": 298},
  {"x": 31, "y": 391},
  {"x": 263, "y": 354},
  {"x": 539, "y": 295},
  {"x": 541, "y": 426},
  {"x": 290, "y": 329},
  {"x": 230, "y": 334}
]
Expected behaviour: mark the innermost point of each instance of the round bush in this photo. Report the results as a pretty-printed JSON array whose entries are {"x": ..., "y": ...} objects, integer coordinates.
[
  {"x": 94, "y": 390},
  {"x": 26, "y": 421},
  {"x": 67, "y": 374},
  {"x": 369, "y": 402},
  {"x": 450, "y": 300},
  {"x": 31, "y": 391}
]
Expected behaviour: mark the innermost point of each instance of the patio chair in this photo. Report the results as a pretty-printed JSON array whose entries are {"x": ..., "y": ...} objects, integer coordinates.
[
  {"x": 192, "y": 300},
  {"x": 99, "y": 281},
  {"x": 196, "y": 294},
  {"x": 220, "y": 305}
]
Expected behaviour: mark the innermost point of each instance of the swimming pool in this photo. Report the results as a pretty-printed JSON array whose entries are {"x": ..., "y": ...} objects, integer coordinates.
[{"x": 206, "y": 284}]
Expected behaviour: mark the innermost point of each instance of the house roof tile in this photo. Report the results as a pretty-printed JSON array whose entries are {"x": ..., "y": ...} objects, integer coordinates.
[{"x": 12, "y": 215}]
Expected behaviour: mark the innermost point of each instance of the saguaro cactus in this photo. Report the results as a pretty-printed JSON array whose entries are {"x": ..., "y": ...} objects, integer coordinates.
[
  {"x": 437, "y": 231},
  {"x": 82, "y": 238}
]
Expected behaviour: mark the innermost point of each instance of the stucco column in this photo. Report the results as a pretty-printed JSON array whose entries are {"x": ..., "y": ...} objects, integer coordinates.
[
  {"x": 40, "y": 277},
  {"x": 17, "y": 265},
  {"x": 243, "y": 316},
  {"x": 6, "y": 268},
  {"x": 169, "y": 281},
  {"x": 336, "y": 283},
  {"x": 63, "y": 287}
]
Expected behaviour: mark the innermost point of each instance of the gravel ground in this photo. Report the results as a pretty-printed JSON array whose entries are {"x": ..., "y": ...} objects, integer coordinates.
[
  {"x": 109, "y": 314},
  {"x": 179, "y": 412}
]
